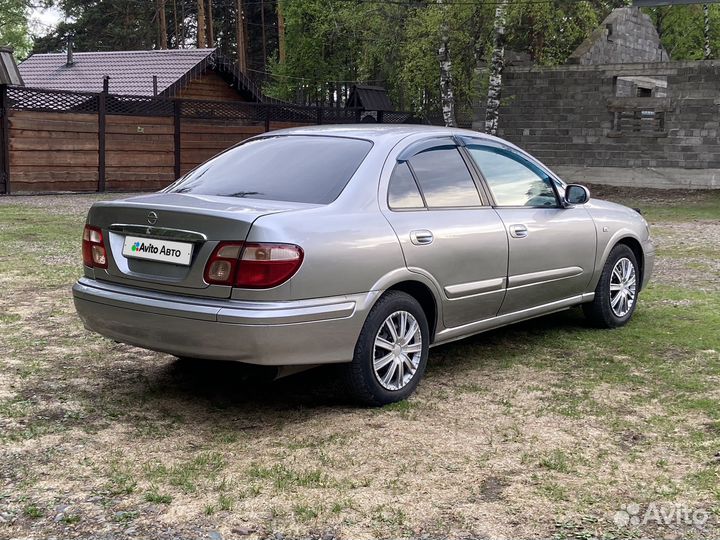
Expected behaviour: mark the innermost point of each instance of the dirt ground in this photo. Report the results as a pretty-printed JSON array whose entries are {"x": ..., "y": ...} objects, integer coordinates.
[{"x": 543, "y": 429}]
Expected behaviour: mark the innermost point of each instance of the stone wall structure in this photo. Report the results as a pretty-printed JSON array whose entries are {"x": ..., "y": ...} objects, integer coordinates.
[
  {"x": 619, "y": 112},
  {"x": 575, "y": 119},
  {"x": 626, "y": 35}
]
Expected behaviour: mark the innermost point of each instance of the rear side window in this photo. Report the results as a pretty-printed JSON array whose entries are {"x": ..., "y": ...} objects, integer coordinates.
[
  {"x": 444, "y": 179},
  {"x": 296, "y": 168},
  {"x": 403, "y": 193}
]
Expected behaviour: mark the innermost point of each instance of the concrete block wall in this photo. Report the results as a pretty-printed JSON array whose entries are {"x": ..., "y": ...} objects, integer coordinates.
[
  {"x": 562, "y": 116},
  {"x": 626, "y": 35}
]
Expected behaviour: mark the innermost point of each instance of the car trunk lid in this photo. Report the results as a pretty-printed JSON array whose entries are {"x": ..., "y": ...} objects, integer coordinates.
[{"x": 163, "y": 241}]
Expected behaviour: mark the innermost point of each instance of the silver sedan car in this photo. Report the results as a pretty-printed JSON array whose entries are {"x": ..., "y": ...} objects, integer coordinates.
[{"x": 362, "y": 246}]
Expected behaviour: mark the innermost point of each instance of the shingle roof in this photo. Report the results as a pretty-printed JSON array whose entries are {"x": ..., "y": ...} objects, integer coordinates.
[
  {"x": 130, "y": 72},
  {"x": 370, "y": 98}
]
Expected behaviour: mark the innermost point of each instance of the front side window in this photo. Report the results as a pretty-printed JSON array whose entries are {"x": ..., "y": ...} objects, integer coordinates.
[
  {"x": 295, "y": 168},
  {"x": 513, "y": 180},
  {"x": 444, "y": 178},
  {"x": 403, "y": 193}
]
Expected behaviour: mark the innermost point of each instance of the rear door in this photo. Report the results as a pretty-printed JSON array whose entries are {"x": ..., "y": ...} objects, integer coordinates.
[
  {"x": 552, "y": 248},
  {"x": 447, "y": 230}
]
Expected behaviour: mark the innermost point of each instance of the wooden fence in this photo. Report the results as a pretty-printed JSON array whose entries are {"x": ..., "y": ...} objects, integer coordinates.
[{"x": 61, "y": 141}]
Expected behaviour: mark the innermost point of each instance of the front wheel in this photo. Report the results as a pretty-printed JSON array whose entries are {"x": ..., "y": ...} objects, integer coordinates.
[
  {"x": 617, "y": 291},
  {"x": 391, "y": 352}
]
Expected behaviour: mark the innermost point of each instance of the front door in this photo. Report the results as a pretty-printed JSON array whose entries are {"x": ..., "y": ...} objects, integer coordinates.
[
  {"x": 448, "y": 233},
  {"x": 552, "y": 248}
]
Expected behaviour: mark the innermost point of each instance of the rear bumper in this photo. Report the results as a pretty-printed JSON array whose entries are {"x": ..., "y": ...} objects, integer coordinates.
[{"x": 316, "y": 331}]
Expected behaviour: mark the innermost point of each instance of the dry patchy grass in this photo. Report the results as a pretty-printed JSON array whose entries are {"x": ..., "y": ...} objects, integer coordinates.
[{"x": 541, "y": 429}]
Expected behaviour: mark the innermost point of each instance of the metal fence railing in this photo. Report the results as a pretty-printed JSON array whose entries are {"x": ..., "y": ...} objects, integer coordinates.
[
  {"x": 267, "y": 115},
  {"x": 35, "y": 99}
]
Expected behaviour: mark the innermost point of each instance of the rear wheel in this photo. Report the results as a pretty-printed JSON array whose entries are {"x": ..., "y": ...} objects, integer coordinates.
[
  {"x": 617, "y": 291},
  {"x": 391, "y": 352}
]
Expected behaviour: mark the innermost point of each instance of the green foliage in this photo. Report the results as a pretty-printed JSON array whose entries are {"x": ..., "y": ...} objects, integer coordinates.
[
  {"x": 102, "y": 26},
  {"x": 391, "y": 45},
  {"x": 550, "y": 32},
  {"x": 681, "y": 30},
  {"x": 396, "y": 46},
  {"x": 332, "y": 43},
  {"x": 14, "y": 26}
]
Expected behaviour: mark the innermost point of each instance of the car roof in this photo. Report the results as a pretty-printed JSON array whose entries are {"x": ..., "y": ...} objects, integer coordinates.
[{"x": 376, "y": 132}]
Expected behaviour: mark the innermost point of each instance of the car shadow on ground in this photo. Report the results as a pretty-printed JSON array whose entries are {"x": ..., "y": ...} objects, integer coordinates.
[{"x": 235, "y": 387}]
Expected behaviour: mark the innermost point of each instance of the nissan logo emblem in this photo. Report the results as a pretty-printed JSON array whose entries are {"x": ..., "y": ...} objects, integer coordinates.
[{"x": 152, "y": 218}]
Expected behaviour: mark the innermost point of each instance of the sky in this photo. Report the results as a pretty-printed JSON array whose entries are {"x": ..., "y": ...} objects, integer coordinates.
[{"x": 43, "y": 21}]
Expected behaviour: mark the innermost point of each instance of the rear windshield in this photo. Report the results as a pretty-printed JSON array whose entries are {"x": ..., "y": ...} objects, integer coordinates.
[{"x": 307, "y": 169}]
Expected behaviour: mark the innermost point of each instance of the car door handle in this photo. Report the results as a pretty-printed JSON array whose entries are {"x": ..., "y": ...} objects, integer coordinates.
[
  {"x": 421, "y": 238},
  {"x": 518, "y": 231}
]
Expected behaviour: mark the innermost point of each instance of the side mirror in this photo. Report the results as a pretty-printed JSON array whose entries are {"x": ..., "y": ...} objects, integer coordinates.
[{"x": 576, "y": 194}]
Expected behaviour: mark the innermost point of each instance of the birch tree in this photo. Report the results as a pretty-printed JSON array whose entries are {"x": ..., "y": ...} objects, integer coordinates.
[
  {"x": 707, "y": 51},
  {"x": 447, "y": 98},
  {"x": 496, "y": 69}
]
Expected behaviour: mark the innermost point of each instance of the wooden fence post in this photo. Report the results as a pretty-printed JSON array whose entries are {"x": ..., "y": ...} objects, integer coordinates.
[
  {"x": 266, "y": 112},
  {"x": 102, "y": 110},
  {"x": 319, "y": 115},
  {"x": 4, "y": 141},
  {"x": 177, "y": 115}
]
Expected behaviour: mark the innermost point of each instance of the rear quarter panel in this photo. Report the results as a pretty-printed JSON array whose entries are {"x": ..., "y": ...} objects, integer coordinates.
[
  {"x": 344, "y": 253},
  {"x": 349, "y": 247}
]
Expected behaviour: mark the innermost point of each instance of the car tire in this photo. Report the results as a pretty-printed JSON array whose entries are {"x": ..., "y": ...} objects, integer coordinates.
[
  {"x": 367, "y": 377},
  {"x": 620, "y": 275}
]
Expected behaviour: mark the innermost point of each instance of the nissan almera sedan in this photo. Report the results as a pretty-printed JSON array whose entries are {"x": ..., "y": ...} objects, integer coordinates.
[{"x": 356, "y": 245}]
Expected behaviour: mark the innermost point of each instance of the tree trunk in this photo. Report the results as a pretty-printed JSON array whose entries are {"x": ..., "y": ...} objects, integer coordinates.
[
  {"x": 706, "y": 32},
  {"x": 446, "y": 88},
  {"x": 496, "y": 69},
  {"x": 210, "y": 28},
  {"x": 201, "y": 38},
  {"x": 264, "y": 39},
  {"x": 183, "y": 28},
  {"x": 241, "y": 53},
  {"x": 162, "y": 25},
  {"x": 281, "y": 32},
  {"x": 178, "y": 39}
]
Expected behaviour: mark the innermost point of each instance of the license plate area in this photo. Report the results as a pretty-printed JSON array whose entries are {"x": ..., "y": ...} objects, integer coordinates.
[{"x": 154, "y": 249}]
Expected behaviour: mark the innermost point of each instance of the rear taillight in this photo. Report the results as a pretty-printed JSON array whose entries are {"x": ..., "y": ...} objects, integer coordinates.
[
  {"x": 222, "y": 265},
  {"x": 267, "y": 265},
  {"x": 93, "y": 248},
  {"x": 253, "y": 266}
]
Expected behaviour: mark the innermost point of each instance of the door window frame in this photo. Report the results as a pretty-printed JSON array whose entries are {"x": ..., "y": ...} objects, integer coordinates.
[{"x": 427, "y": 145}]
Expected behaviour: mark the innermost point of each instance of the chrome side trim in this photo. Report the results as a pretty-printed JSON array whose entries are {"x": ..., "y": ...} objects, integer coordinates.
[
  {"x": 533, "y": 278},
  {"x": 157, "y": 232},
  {"x": 285, "y": 313},
  {"x": 475, "y": 287},
  {"x": 460, "y": 332}
]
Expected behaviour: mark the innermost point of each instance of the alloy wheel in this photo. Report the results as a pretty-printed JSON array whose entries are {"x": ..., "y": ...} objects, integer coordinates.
[
  {"x": 623, "y": 285},
  {"x": 397, "y": 350}
]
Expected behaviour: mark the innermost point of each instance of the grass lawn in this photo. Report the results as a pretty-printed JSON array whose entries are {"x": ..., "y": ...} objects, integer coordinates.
[{"x": 543, "y": 429}]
